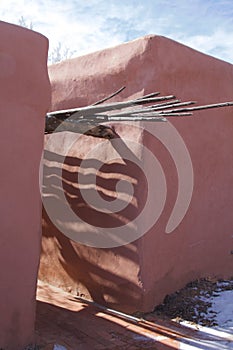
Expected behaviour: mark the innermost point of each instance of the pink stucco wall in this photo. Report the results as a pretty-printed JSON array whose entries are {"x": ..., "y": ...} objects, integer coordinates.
[
  {"x": 136, "y": 276},
  {"x": 25, "y": 97}
]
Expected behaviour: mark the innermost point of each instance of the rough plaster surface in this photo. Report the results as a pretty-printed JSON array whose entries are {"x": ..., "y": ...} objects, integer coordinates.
[
  {"x": 137, "y": 276},
  {"x": 25, "y": 97}
]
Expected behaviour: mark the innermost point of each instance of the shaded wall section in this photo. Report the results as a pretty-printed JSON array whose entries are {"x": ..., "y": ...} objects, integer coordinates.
[
  {"x": 25, "y": 97},
  {"x": 193, "y": 162}
]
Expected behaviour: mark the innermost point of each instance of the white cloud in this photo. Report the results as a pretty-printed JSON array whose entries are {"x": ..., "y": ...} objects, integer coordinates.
[
  {"x": 219, "y": 44},
  {"x": 87, "y": 26}
]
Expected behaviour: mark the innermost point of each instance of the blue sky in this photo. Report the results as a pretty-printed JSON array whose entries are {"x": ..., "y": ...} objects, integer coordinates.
[{"x": 87, "y": 26}]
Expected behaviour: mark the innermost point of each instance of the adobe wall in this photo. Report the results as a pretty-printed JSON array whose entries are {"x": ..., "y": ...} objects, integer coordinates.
[
  {"x": 25, "y": 97},
  {"x": 195, "y": 164}
]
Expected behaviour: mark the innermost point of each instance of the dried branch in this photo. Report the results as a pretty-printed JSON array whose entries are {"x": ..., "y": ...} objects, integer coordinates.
[
  {"x": 91, "y": 110},
  {"x": 80, "y": 120},
  {"x": 170, "y": 105},
  {"x": 197, "y": 108},
  {"x": 163, "y": 104},
  {"x": 110, "y": 96},
  {"x": 153, "y": 94},
  {"x": 153, "y": 117},
  {"x": 150, "y": 109}
]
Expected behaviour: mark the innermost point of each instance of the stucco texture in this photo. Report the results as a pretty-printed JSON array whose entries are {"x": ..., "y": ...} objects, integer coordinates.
[
  {"x": 25, "y": 98},
  {"x": 193, "y": 163}
]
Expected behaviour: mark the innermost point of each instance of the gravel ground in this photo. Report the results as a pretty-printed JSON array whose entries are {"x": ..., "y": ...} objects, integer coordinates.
[{"x": 206, "y": 302}]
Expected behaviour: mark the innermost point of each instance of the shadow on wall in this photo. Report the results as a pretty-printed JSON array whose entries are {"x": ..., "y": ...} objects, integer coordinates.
[{"x": 84, "y": 270}]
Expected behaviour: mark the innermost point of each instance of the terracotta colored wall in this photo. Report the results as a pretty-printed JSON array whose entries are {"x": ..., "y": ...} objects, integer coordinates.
[
  {"x": 138, "y": 275},
  {"x": 25, "y": 97}
]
